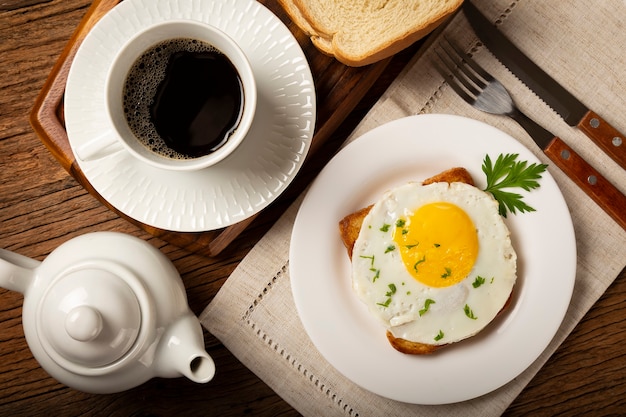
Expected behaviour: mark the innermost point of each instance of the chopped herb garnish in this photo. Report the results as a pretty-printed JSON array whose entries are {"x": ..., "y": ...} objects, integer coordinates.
[
  {"x": 375, "y": 270},
  {"x": 388, "y": 294},
  {"x": 386, "y": 303},
  {"x": 390, "y": 248},
  {"x": 411, "y": 246},
  {"x": 439, "y": 336},
  {"x": 437, "y": 245},
  {"x": 385, "y": 227},
  {"x": 419, "y": 262},
  {"x": 469, "y": 313},
  {"x": 478, "y": 281},
  {"x": 427, "y": 304},
  {"x": 509, "y": 173},
  {"x": 371, "y": 258},
  {"x": 405, "y": 231},
  {"x": 447, "y": 273},
  {"x": 400, "y": 223},
  {"x": 376, "y": 275}
]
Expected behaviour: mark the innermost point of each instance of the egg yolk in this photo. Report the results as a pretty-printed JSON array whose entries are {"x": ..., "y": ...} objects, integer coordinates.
[{"x": 438, "y": 244}]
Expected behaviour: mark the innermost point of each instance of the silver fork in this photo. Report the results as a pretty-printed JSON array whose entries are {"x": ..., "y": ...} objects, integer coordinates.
[{"x": 481, "y": 90}]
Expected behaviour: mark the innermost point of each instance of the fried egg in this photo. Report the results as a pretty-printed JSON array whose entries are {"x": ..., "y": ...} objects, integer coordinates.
[{"x": 434, "y": 262}]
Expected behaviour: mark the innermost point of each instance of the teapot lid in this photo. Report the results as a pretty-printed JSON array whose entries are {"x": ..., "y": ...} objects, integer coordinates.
[{"x": 93, "y": 318}]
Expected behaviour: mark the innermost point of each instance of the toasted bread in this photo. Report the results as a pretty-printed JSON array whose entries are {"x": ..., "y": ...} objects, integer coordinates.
[
  {"x": 360, "y": 33},
  {"x": 350, "y": 226}
]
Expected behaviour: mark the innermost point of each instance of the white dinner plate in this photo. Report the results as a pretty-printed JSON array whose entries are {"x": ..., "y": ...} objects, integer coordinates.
[
  {"x": 339, "y": 324},
  {"x": 246, "y": 181}
]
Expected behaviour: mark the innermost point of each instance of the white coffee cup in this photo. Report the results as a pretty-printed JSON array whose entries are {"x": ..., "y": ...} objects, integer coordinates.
[{"x": 125, "y": 139}]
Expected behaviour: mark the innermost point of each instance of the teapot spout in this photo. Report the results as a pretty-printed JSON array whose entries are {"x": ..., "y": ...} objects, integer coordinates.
[
  {"x": 16, "y": 271},
  {"x": 181, "y": 351}
]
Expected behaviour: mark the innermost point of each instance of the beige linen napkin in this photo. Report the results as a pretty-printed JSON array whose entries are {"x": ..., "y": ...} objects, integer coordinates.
[{"x": 580, "y": 44}]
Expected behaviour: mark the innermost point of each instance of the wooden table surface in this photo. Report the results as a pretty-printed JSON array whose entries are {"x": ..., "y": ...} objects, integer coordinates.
[{"x": 42, "y": 206}]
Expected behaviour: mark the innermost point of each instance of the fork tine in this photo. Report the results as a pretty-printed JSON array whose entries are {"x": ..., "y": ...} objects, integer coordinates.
[
  {"x": 457, "y": 75},
  {"x": 452, "y": 80},
  {"x": 459, "y": 59},
  {"x": 473, "y": 64}
]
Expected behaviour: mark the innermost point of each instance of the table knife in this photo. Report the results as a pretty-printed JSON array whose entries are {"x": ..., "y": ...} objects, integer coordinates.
[{"x": 575, "y": 113}]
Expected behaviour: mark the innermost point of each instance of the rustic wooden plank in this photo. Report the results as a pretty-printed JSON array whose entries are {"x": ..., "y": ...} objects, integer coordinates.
[{"x": 18, "y": 4}]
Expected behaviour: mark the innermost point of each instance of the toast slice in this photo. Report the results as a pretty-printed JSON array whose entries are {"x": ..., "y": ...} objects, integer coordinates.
[
  {"x": 360, "y": 33},
  {"x": 350, "y": 227}
]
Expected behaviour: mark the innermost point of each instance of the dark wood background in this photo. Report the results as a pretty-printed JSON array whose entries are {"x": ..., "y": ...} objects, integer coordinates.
[{"x": 42, "y": 206}]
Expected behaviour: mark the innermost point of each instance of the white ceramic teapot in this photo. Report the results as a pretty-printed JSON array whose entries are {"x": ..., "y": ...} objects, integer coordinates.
[{"x": 105, "y": 312}]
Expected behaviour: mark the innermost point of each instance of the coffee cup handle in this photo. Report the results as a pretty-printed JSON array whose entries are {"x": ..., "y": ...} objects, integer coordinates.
[{"x": 99, "y": 147}]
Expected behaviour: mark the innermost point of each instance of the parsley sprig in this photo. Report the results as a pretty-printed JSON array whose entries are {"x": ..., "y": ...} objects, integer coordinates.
[{"x": 507, "y": 172}]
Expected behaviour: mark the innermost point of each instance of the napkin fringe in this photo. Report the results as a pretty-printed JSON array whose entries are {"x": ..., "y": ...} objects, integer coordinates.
[{"x": 290, "y": 358}]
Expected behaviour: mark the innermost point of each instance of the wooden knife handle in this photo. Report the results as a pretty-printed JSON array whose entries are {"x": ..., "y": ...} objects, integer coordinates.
[
  {"x": 609, "y": 139},
  {"x": 609, "y": 198}
]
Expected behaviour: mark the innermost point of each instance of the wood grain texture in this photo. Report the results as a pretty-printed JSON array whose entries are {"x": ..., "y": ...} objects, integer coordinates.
[
  {"x": 42, "y": 206},
  {"x": 609, "y": 139},
  {"x": 19, "y": 4},
  {"x": 588, "y": 179},
  {"x": 587, "y": 374}
]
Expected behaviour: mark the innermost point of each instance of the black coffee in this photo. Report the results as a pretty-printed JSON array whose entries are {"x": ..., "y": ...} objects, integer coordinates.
[{"x": 183, "y": 98}]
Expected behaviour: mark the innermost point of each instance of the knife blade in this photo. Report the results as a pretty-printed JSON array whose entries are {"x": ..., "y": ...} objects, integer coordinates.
[{"x": 572, "y": 110}]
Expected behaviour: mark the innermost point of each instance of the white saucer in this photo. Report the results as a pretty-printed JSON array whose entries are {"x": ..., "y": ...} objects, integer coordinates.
[{"x": 237, "y": 187}]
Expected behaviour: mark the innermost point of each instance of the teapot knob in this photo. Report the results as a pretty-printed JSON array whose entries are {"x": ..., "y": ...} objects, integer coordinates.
[
  {"x": 83, "y": 323},
  {"x": 94, "y": 317}
]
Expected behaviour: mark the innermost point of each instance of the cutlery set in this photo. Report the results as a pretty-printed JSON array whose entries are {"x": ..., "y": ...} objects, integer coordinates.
[{"x": 481, "y": 90}]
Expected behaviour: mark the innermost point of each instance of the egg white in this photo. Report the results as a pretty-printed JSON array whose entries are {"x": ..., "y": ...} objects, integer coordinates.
[{"x": 379, "y": 275}]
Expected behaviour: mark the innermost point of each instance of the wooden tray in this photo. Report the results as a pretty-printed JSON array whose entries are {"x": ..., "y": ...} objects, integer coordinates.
[{"x": 338, "y": 88}]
